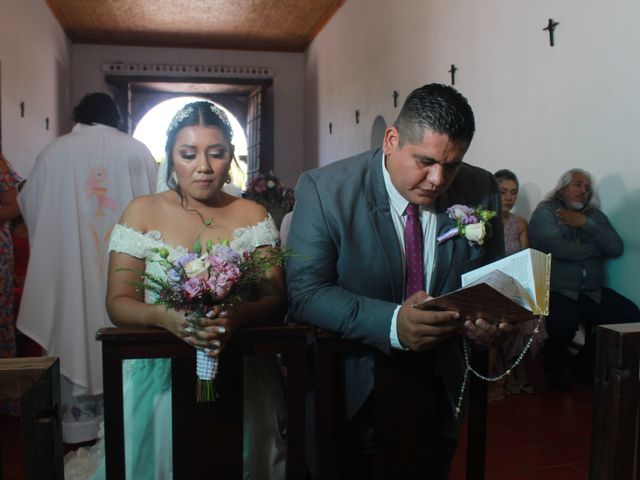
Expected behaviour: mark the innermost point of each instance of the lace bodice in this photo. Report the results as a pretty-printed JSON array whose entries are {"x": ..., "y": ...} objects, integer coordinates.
[{"x": 127, "y": 240}]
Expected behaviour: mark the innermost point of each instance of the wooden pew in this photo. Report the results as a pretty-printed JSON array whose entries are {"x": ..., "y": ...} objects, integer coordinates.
[
  {"x": 399, "y": 401},
  {"x": 616, "y": 402},
  {"x": 195, "y": 422},
  {"x": 36, "y": 383},
  {"x": 207, "y": 437}
]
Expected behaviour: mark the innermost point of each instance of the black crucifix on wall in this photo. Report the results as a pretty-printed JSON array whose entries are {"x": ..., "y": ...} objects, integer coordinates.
[
  {"x": 395, "y": 98},
  {"x": 551, "y": 26},
  {"x": 453, "y": 71}
]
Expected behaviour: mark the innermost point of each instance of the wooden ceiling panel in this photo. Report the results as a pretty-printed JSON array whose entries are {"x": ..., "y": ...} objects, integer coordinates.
[{"x": 276, "y": 25}]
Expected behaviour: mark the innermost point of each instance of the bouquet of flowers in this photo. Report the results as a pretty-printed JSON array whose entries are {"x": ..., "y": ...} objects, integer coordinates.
[
  {"x": 267, "y": 190},
  {"x": 473, "y": 224},
  {"x": 214, "y": 275}
]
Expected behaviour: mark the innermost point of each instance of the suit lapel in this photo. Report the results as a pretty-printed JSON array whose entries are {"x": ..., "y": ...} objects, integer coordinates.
[
  {"x": 386, "y": 236},
  {"x": 444, "y": 255}
]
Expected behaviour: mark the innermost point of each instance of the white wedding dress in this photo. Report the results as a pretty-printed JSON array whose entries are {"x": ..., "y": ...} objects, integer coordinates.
[{"x": 147, "y": 383}]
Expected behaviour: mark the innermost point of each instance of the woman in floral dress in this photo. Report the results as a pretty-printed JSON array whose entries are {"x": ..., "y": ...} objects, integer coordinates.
[{"x": 8, "y": 211}]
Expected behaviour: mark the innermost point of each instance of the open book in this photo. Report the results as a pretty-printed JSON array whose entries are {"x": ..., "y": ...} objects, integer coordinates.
[{"x": 513, "y": 289}]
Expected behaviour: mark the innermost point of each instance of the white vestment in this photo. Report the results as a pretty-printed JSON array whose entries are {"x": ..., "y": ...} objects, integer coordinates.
[{"x": 73, "y": 197}]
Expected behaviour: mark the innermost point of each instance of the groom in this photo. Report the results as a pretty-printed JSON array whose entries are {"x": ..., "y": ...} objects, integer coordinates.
[{"x": 350, "y": 274}]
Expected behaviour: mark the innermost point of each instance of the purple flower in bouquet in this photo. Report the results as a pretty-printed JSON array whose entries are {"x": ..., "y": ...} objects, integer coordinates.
[{"x": 193, "y": 287}]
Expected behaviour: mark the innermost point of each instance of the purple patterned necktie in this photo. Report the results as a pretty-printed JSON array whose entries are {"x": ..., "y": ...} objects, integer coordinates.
[{"x": 413, "y": 247}]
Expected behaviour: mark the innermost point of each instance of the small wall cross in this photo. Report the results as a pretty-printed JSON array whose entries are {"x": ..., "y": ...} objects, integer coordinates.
[
  {"x": 395, "y": 98},
  {"x": 453, "y": 71},
  {"x": 551, "y": 26}
]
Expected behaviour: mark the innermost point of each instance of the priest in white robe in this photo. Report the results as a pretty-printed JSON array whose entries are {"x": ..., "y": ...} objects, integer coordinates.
[{"x": 73, "y": 197}]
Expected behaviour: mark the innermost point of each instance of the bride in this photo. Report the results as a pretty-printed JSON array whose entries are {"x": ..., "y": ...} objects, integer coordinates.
[{"x": 199, "y": 153}]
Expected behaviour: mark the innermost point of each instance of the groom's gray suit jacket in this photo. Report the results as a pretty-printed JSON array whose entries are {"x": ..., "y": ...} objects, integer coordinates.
[{"x": 347, "y": 274}]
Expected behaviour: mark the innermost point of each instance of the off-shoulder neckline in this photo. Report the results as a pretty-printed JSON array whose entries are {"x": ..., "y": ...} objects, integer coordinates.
[{"x": 157, "y": 234}]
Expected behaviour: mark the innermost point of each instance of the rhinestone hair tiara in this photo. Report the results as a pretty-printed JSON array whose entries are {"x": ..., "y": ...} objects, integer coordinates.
[{"x": 188, "y": 110}]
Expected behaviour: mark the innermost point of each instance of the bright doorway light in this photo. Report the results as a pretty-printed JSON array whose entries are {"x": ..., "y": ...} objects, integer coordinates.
[{"x": 152, "y": 131}]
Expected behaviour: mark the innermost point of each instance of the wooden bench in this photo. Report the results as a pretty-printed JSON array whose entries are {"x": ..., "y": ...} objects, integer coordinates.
[
  {"x": 35, "y": 382},
  {"x": 616, "y": 403},
  {"x": 210, "y": 431},
  {"x": 399, "y": 401}
]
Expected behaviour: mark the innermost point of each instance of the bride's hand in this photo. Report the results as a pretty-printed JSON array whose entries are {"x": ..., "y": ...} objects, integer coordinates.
[{"x": 211, "y": 331}]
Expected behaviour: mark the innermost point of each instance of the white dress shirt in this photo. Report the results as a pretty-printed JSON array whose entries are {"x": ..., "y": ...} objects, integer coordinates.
[{"x": 398, "y": 205}]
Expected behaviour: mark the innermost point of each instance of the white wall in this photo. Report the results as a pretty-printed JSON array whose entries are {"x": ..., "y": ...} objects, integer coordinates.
[
  {"x": 288, "y": 87},
  {"x": 539, "y": 110},
  {"x": 35, "y": 69}
]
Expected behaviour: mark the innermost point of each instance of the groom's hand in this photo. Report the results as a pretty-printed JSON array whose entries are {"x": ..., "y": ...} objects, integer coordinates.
[
  {"x": 487, "y": 334},
  {"x": 424, "y": 329}
]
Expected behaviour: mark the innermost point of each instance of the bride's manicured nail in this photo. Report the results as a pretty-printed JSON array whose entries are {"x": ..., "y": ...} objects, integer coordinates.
[
  {"x": 221, "y": 330},
  {"x": 209, "y": 314},
  {"x": 223, "y": 313},
  {"x": 215, "y": 343}
]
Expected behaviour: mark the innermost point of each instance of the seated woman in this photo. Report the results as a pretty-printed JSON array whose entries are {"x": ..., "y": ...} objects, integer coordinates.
[
  {"x": 515, "y": 239},
  {"x": 199, "y": 153}
]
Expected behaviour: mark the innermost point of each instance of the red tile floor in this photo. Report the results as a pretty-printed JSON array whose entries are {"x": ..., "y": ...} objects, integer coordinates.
[{"x": 543, "y": 435}]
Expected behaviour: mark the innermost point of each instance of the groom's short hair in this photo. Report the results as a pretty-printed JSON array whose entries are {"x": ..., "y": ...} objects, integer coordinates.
[{"x": 439, "y": 108}]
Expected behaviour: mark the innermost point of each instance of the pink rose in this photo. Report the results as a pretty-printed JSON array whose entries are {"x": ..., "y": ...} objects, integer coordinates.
[{"x": 193, "y": 287}]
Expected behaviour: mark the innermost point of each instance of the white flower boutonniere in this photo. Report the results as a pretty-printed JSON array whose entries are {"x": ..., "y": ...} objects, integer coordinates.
[{"x": 473, "y": 224}]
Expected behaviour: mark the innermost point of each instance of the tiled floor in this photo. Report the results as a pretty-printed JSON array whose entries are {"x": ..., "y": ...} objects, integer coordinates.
[{"x": 544, "y": 435}]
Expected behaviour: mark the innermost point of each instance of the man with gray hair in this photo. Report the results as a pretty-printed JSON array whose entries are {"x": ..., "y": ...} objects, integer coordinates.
[{"x": 569, "y": 225}]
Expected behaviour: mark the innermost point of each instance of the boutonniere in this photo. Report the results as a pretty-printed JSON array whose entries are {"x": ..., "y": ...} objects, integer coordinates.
[{"x": 472, "y": 224}]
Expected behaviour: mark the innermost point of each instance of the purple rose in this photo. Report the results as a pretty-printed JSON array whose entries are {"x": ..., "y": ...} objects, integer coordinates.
[{"x": 226, "y": 253}]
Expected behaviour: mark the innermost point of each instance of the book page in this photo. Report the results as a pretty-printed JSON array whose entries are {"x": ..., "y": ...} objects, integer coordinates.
[
  {"x": 508, "y": 286},
  {"x": 518, "y": 266}
]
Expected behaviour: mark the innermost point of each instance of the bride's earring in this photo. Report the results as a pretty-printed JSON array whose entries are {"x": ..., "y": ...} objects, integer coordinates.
[
  {"x": 174, "y": 177},
  {"x": 228, "y": 178}
]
